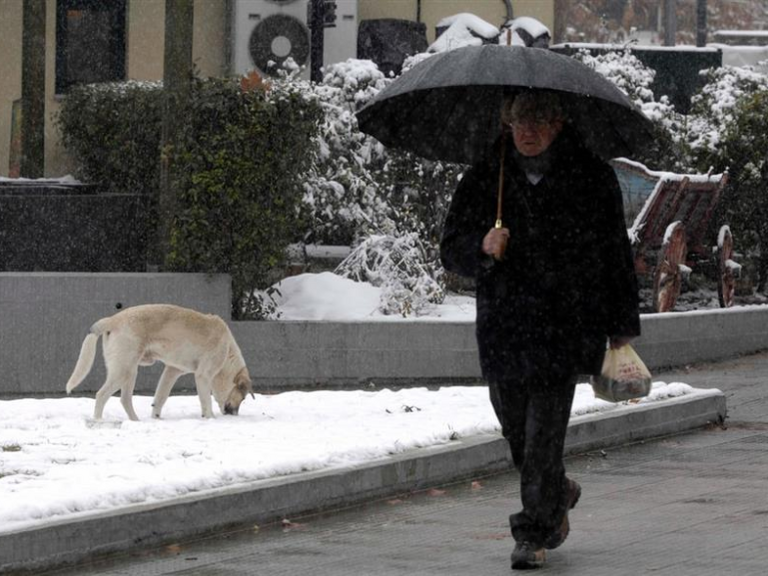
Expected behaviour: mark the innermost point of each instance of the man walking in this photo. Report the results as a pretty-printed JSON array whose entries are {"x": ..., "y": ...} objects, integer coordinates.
[{"x": 555, "y": 282}]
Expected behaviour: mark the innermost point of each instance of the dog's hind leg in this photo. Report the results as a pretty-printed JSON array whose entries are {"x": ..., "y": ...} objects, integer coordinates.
[
  {"x": 111, "y": 385},
  {"x": 164, "y": 386},
  {"x": 128, "y": 383}
]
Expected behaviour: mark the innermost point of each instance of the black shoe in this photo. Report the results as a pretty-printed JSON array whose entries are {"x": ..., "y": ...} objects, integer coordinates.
[
  {"x": 558, "y": 537},
  {"x": 527, "y": 556}
]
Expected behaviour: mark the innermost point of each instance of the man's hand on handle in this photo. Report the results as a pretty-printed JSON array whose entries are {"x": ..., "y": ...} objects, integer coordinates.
[{"x": 495, "y": 242}]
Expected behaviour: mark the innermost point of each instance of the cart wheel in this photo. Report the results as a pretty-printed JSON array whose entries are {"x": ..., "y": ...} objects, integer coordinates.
[
  {"x": 728, "y": 269},
  {"x": 667, "y": 278}
]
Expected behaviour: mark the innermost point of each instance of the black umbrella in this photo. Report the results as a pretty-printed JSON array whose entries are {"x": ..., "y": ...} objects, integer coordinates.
[{"x": 448, "y": 106}]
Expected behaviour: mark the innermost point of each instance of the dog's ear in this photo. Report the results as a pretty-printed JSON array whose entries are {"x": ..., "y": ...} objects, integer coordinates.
[{"x": 243, "y": 383}]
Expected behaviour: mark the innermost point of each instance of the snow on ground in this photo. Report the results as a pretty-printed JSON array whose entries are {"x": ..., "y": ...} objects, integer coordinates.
[{"x": 57, "y": 464}]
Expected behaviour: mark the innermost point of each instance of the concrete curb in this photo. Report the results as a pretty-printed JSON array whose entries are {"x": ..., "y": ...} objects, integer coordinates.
[{"x": 266, "y": 501}]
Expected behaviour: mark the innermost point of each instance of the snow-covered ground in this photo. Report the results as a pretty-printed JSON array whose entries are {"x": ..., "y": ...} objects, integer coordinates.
[{"x": 56, "y": 463}]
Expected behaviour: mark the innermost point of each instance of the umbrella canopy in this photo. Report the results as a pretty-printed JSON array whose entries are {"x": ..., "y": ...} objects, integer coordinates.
[{"x": 448, "y": 106}]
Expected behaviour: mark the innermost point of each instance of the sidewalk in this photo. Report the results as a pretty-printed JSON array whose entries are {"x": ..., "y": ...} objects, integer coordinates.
[{"x": 688, "y": 504}]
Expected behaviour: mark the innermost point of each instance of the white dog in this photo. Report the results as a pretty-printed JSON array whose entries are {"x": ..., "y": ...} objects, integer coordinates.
[{"x": 184, "y": 340}]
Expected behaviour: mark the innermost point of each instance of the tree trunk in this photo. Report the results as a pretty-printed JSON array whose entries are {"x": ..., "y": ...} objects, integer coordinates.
[
  {"x": 177, "y": 75},
  {"x": 701, "y": 23},
  {"x": 670, "y": 22},
  {"x": 33, "y": 90},
  {"x": 562, "y": 8}
]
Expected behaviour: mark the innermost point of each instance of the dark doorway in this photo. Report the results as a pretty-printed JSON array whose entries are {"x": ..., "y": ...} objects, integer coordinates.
[{"x": 90, "y": 42}]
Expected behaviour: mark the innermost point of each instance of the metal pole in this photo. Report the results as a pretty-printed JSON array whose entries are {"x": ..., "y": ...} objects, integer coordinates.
[
  {"x": 317, "y": 43},
  {"x": 701, "y": 23},
  {"x": 177, "y": 77},
  {"x": 670, "y": 22}
]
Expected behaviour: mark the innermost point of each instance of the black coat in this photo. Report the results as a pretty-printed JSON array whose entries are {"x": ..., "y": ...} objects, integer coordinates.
[{"x": 567, "y": 281}]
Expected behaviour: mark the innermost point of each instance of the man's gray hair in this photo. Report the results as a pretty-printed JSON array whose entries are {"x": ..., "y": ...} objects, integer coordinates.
[{"x": 532, "y": 105}]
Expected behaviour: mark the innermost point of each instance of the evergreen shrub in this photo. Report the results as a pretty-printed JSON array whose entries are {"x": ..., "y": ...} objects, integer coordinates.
[
  {"x": 112, "y": 132},
  {"x": 237, "y": 169}
]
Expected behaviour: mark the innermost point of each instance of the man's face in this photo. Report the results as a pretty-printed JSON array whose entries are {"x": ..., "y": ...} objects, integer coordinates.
[{"x": 534, "y": 136}]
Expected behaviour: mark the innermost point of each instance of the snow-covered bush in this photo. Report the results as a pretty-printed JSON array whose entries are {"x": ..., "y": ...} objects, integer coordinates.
[
  {"x": 356, "y": 189},
  {"x": 634, "y": 78},
  {"x": 342, "y": 196},
  {"x": 402, "y": 267},
  {"x": 712, "y": 111},
  {"x": 741, "y": 148}
]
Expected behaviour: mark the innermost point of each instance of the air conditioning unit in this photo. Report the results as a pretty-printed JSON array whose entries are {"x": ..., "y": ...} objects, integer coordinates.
[{"x": 266, "y": 31}]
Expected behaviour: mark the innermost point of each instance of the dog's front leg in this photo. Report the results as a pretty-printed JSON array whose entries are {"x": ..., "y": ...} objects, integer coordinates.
[
  {"x": 164, "y": 386},
  {"x": 203, "y": 385}
]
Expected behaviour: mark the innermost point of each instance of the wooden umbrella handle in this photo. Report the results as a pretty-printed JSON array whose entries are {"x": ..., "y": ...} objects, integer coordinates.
[
  {"x": 499, "y": 254},
  {"x": 500, "y": 195}
]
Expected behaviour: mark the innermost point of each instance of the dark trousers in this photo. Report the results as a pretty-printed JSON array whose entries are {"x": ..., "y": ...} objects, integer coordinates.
[{"x": 533, "y": 412}]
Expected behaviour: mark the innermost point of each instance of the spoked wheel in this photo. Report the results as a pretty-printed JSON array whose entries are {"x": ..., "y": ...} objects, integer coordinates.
[
  {"x": 729, "y": 270},
  {"x": 668, "y": 277}
]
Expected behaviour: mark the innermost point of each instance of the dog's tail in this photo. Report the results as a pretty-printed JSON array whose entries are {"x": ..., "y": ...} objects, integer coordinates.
[{"x": 87, "y": 355}]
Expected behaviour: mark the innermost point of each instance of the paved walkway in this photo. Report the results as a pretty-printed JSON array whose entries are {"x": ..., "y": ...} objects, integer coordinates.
[{"x": 692, "y": 504}]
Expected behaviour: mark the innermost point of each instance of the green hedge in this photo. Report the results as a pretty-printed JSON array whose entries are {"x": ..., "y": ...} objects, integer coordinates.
[
  {"x": 112, "y": 132},
  {"x": 237, "y": 167},
  {"x": 241, "y": 163}
]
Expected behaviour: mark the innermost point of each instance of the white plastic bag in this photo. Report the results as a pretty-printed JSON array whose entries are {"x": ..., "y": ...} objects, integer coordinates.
[{"x": 624, "y": 376}]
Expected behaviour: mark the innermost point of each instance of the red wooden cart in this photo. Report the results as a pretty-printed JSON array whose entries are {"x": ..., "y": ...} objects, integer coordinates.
[{"x": 669, "y": 216}]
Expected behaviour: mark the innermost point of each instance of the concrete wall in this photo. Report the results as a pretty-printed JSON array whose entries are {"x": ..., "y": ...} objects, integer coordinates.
[
  {"x": 44, "y": 317},
  {"x": 284, "y": 355},
  {"x": 324, "y": 354},
  {"x": 680, "y": 338}
]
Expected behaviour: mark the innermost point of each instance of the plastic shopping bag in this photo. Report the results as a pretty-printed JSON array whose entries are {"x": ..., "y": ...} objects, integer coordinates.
[{"x": 623, "y": 377}]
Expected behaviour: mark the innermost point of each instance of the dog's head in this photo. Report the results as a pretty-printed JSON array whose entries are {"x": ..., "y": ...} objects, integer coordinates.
[{"x": 242, "y": 387}]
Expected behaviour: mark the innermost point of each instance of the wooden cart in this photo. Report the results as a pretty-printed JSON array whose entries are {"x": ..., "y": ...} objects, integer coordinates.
[{"x": 668, "y": 216}]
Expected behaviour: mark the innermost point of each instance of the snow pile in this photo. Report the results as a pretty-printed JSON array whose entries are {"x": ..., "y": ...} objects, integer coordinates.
[
  {"x": 463, "y": 30},
  {"x": 68, "y": 179},
  {"x": 57, "y": 464},
  {"x": 327, "y": 296},
  {"x": 525, "y": 31},
  {"x": 469, "y": 30}
]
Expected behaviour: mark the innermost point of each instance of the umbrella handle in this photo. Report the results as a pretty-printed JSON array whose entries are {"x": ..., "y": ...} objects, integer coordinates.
[
  {"x": 499, "y": 254},
  {"x": 500, "y": 196}
]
